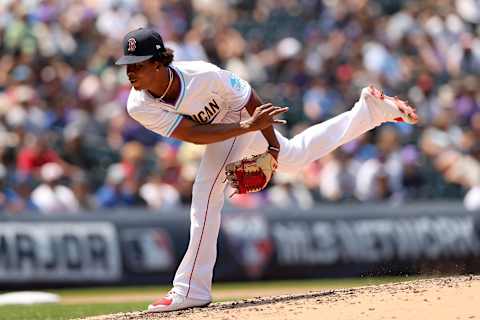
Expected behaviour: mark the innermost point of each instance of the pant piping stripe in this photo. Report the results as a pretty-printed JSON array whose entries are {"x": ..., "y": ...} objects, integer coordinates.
[{"x": 206, "y": 214}]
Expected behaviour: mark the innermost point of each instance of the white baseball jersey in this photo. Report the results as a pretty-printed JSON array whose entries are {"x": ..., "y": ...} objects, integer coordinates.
[{"x": 207, "y": 95}]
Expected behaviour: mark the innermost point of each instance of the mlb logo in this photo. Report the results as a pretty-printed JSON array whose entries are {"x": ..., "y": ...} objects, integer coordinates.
[
  {"x": 148, "y": 250},
  {"x": 132, "y": 45},
  {"x": 235, "y": 82}
]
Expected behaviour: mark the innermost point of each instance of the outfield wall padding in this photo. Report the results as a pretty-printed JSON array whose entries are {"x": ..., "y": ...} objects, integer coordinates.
[{"x": 141, "y": 247}]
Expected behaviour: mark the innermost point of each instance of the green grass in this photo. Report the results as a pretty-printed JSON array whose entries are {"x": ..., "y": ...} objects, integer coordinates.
[
  {"x": 60, "y": 312},
  {"x": 72, "y": 311}
]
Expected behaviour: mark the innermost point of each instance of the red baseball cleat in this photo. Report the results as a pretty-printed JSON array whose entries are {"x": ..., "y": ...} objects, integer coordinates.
[
  {"x": 174, "y": 301},
  {"x": 393, "y": 108}
]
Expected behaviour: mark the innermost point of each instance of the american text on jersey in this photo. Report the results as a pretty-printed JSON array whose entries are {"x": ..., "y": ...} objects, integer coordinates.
[{"x": 208, "y": 114}]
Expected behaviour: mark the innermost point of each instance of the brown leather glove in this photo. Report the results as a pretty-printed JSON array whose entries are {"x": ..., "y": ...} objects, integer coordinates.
[{"x": 251, "y": 174}]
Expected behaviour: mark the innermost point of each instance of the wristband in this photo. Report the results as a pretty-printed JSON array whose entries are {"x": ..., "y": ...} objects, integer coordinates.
[{"x": 272, "y": 148}]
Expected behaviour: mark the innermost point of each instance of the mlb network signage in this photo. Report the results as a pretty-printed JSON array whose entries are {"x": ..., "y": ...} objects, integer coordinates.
[
  {"x": 58, "y": 252},
  {"x": 353, "y": 240},
  {"x": 367, "y": 240}
]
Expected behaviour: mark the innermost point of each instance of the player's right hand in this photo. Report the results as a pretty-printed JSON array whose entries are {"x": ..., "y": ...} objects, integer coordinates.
[{"x": 265, "y": 116}]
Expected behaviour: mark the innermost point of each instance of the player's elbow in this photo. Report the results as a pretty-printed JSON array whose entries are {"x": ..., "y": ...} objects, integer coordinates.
[
  {"x": 192, "y": 132},
  {"x": 186, "y": 131},
  {"x": 190, "y": 135}
]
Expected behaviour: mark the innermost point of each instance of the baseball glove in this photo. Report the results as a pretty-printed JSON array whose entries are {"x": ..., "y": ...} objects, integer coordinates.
[{"x": 251, "y": 174}]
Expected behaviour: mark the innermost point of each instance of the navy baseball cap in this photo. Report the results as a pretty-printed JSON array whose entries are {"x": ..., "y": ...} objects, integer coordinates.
[{"x": 140, "y": 45}]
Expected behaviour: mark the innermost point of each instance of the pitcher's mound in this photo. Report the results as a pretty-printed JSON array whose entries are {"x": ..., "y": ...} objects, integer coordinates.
[{"x": 449, "y": 298}]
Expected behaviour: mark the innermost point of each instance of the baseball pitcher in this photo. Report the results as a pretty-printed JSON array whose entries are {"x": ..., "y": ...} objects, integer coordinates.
[{"x": 201, "y": 103}]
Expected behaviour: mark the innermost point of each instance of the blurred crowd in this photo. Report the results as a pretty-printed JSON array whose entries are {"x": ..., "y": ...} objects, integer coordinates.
[{"x": 68, "y": 145}]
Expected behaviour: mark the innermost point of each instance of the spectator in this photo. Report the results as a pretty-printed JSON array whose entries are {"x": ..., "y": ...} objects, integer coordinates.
[
  {"x": 120, "y": 189},
  {"x": 10, "y": 201},
  {"x": 337, "y": 178},
  {"x": 412, "y": 177},
  {"x": 381, "y": 178},
  {"x": 289, "y": 192},
  {"x": 81, "y": 189},
  {"x": 62, "y": 100},
  {"x": 51, "y": 197},
  {"x": 35, "y": 154},
  {"x": 159, "y": 195}
]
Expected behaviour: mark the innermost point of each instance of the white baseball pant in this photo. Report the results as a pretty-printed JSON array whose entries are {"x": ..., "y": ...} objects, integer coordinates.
[{"x": 194, "y": 275}]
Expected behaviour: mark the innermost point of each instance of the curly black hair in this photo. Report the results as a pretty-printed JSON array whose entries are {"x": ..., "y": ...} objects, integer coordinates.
[{"x": 165, "y": 57}]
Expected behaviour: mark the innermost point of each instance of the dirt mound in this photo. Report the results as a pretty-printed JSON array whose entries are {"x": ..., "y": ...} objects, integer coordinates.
[{"x": 440, "y": 298}]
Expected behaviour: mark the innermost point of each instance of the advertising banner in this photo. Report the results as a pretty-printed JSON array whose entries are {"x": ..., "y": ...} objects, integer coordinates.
[
  {"x": 135, "y": 247},
  {"x": 59, "y": 252},
  {"x": 374, "y": 240}
]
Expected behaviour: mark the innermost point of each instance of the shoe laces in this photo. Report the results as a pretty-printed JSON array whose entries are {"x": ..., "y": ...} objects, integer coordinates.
[{"x": 170, "y": 294}]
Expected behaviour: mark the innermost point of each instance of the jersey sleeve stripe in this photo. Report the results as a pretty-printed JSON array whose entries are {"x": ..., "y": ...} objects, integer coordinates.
[
  {"x": 182, "y": 93},
  {"x": 174, "y": 125}
]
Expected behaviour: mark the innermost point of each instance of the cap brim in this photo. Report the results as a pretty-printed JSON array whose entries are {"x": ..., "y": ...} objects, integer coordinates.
[{"x": 132, "y": 59}]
